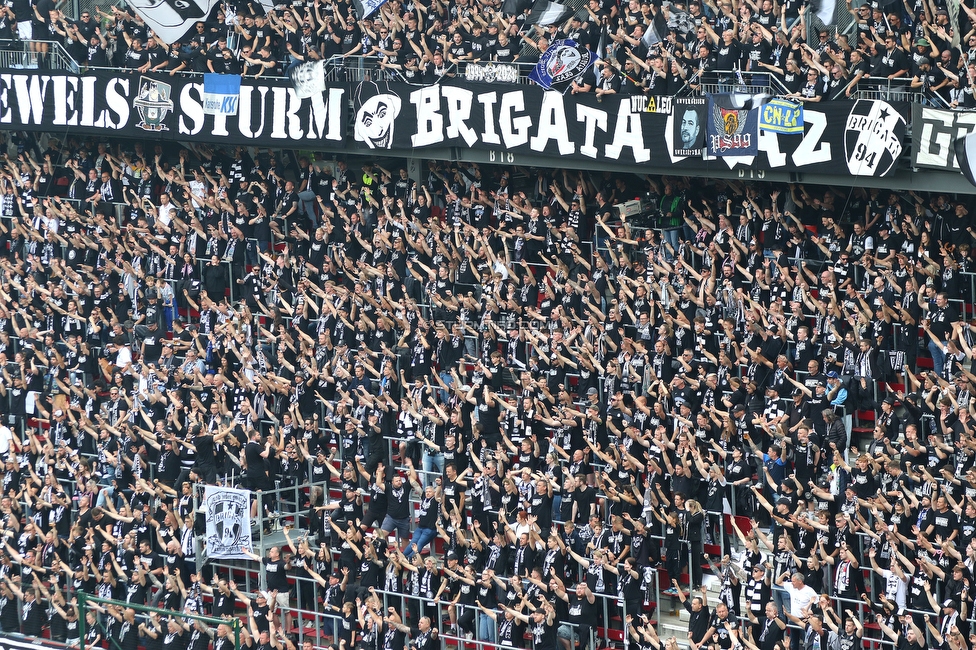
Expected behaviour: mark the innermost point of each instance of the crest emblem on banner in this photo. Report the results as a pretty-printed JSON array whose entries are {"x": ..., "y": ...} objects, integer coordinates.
[
  {"x": 871, "y": 144},
  {"x": 153, "y": 104},
  {"x": 561, "y": 65},
  {"x": 568, "y": 62},
  {"x": 731, "y": 124},
  {"x": 227, "y": 522}
]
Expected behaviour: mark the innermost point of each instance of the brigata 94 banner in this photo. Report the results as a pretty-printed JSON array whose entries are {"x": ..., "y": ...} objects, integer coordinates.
[
  {"x": 864, "y": 137},
  {"x": 861, "y": 138}
]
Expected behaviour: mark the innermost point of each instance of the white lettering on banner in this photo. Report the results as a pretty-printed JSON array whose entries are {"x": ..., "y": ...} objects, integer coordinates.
[
  {"x": 505, "y": 120},
  {"x": 515, "y": 130},
  {"x": 88, "y": 104},
  {"x": 430, "y": 123},
  {"x": 245, "y": 118},
  {"x": 61, "y": 116},
  {"x": 219, "y": 124},
  {"x": 769, "y": 143},
  {"x": 812, "y": 150},
  {"x": 279, "y": 97},
  {"x": 592, "y": 119},
  {"x": 326, "y": 122},
  {"x": 938, "y": 130},
  {"x": 33, "y": 88},
  {"x": 30, "y": 93},
  {"x": 458, "y": 112},
  {"x": 629, "y": 133},
  {"x": 487, "y": 100},
  {"x": 117, "y": 98},
  {"x": 807, "y": 152},
  {"x": 552, "y": 126},
  {"x": 190, "y": 107},
  {"x": 107, "y": 102}
]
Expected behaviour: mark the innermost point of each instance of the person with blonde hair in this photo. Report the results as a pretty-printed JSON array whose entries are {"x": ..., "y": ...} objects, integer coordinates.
[{"x": 694, "y": 527}]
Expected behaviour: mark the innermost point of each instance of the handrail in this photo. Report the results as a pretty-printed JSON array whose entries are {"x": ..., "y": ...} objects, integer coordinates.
[
  {"x": 358, "y": 68},
  {"x": 723, "y": 81},
  {"x": 27, "y": 54}
]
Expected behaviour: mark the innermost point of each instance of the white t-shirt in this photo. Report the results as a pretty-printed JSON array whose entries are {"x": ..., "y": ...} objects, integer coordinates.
[
  {"x": 5, "y": 437},
  {"x": 895, "y": 587},
  {"x": 800, "y": 599}
]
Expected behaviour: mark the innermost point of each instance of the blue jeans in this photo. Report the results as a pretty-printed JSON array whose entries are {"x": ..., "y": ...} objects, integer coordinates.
[
  {"x": 307, "y": 206},
  {"x": 671, "y": 235},
  {"x": 103, "y": 496},
  {"x": 448, "y": 380},
  {"x": 782, "y": 599},
  {"x": 430, "y": 461},
  {"x": 938, "y": 357},
  {"x": 486, "y": 627},
  {"x": 421, "y": 537}
]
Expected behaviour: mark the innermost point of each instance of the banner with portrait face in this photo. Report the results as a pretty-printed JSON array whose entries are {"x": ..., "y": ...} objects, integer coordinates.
[
  {"x": 864, "y": 137},
  {"x": 689, "y": 127},
  {"x": 859, "y": 138}
]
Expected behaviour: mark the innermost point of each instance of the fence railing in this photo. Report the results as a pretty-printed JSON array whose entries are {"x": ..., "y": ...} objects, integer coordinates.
[
  {"x": 88, "y": 602},
  {"x": 357, "y": 68},
  {"x": 49, "y": 55}
]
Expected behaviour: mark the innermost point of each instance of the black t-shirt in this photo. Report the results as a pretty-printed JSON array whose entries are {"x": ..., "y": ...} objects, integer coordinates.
[
  {"x": 135, "y": 58},
  {"x": 393, "y": 639},
  {"x": 398, "y": 501},
  {"x": 276, "y": 575}
]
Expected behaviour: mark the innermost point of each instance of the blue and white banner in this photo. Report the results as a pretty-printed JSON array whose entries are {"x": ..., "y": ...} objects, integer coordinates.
[
  {"x": 366, "y": 8},
  {"x": 221, "y": 94},
  {"x": 781, "y": 116},
  {"x": 563, "y": 63}
]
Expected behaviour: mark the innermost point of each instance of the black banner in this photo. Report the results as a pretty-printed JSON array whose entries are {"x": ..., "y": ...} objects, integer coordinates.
[
  {"x": 134, "y": 105},
  {"x": 689, "y": 126},
  {"x": 860, "y": 138},
  {"x": 934, "y": 131}
]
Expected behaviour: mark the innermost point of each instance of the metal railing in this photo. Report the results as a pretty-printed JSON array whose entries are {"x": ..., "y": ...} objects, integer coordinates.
[
  {"x": 358, "y": 68},
  {"x": 737, "y": 81},
  {"x": 49, "y": 55},
  {"x": 893, "y": 90},
  {"x": 87, "y": 602}
]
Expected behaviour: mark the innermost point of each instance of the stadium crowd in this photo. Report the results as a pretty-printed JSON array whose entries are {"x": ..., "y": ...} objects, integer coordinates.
[
  {"x": 514, "y": 408},
  {"x": 914, "y": 43}
]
